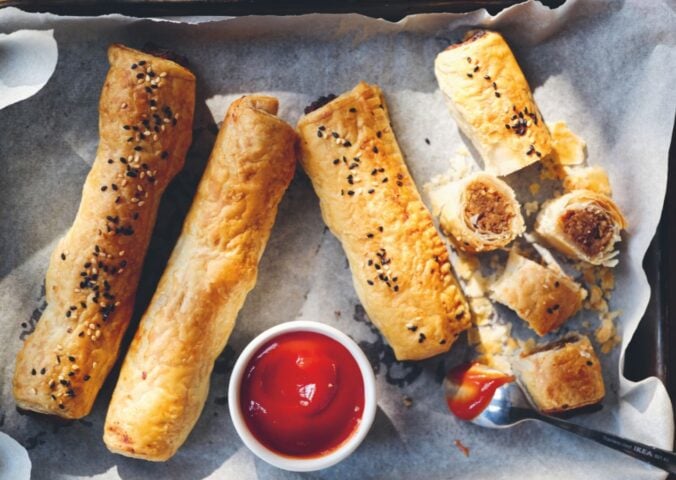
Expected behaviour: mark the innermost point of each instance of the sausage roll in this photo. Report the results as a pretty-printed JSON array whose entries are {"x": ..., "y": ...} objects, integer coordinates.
[
  {"x": 584, "y": 225},
  {"x": 481, "y": 213},
  {"x": 492, "y": 103},
  {"x": 400, "y": 266},
  {"x": 543, "y": 296},
  {"x": 164, "y": 380},
  {"x": 145, "y": 125},
  {"x": 563, "y": 375}
]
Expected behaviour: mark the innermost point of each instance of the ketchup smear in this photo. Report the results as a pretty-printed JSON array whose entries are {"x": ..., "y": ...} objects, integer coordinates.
[
  {"x": 302, "y": 394},
  {"x": 474, "y": 386}
]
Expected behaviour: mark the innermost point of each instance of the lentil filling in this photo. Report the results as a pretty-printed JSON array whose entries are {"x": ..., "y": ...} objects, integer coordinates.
[
  {"x": 591, "y": 228},
  {"x": 487, "y": 210}
]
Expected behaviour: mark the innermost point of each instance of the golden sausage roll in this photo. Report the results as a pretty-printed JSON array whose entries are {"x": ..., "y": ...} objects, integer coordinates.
[
  {"x": 543, "y": 296},
  {"x": 164, "y": 380},
  {"x": 492, "y": 103},
  {"x": 480, "y": 213},
  {"x": 562, "y": 375},
  {"x": 145, "y": 126},
  {"x": 400, "y": 266},
  {"x": 584, "y": 225}
]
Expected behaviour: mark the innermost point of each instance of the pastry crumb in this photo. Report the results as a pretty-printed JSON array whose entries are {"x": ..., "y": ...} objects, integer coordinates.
[
  {"x": 408, "y": 401},
  {"x": 459, "y": 445},
  {"x": 531, "y": 207},
  {"x": 570, "y": 149},
  {"x": 606, "y": 334}
]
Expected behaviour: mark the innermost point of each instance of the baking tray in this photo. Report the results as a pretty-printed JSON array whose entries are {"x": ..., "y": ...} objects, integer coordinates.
[{"x": 650, "y": 352}]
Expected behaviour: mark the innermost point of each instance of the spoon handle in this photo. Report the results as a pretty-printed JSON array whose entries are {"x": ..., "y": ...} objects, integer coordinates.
[{"x": 655, "y": 456}]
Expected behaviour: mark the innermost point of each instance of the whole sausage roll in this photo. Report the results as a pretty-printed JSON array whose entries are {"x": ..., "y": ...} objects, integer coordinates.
[
  {"x": 481, "y": 213},
  {"x": 400, "y": 266},
  {"x": 542, "y": 295},
  {"x": 492, "y": 103},
  {"x": 164, "y": 380},
  {"x": 145, "y": 126},
  {"x": 583, "y": 225}
]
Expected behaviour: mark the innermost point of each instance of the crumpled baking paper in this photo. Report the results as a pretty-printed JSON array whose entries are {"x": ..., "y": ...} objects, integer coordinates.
[
  {"x": 605, "y": 67},
  {"x": 28, "y": 59}
]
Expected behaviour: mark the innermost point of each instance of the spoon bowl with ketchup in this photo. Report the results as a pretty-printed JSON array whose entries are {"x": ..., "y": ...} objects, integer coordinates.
[
  {"x": 302, "y": 396},
  {"x": 493, "y": 399}
]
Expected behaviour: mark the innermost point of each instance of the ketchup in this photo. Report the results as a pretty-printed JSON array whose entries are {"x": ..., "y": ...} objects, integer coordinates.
[
  {"x": 302, "y": 394},
  {"x": 472, "y": 389}
]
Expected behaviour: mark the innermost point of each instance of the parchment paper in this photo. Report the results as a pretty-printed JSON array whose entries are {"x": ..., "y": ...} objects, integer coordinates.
[{"x": 606, "y": 68}]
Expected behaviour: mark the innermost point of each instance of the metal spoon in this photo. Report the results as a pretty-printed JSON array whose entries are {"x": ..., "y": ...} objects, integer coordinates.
[{"x": 511, "y": 406}]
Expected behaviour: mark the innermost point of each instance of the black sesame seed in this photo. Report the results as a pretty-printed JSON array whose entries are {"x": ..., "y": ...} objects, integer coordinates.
[
  {"x": 487, "y": 77},
  {"x": 68, "y": 312},
  {"x": 497, "y": 94},
  {"x": 469, "y": 59},
  {"x": 33, "y": 372},
  {"x": 427, "y": 141},
  {"x": 71, "y": 358},
  {"x": 138, "y": 148},
  {"x": 63, "y": 256},
  {"x": 476, "y": 69},
  {"x": 380, "y": 228},
  {"x": 86, "y": 378},
  {"x": 320, "y": 134},
  {"x": 350, "y": 192},
  {"x": 140, "y": 75},
  {"x": 375, "y": 149},
  {"x": 164, "y": 154},
  {"x": 370, "y": 282},
  {"x": 589, "y": 363},
  {"x": 335, "y": 134},
  {"x": 412, "y": 328},
  {"x": 442, "y": 341},
  {"x": 369, "y": 235},
  {"x": 353, "y": 110},
  {"x": 347, "y": 144},
  {"x": 371, "y": 191},
  {"x": 104, "y": 188},
  {"x": 110, "y": 160},
  {"x": 470, "y": 75},
  {"x": 61, "y": 406},
  {"x": 133, "y": 66},
  {"x": 400, "y": 184},
  {"x": 396, "y": 288},
  {"x": 43, "y": 371},
  {"x": 142, "y": 62},
  {"x": 421, "y": 337},
  {"x": 336, "y": 161},
  {"x": 385, "y": 180},
  {"x": 379, "y": 134}
]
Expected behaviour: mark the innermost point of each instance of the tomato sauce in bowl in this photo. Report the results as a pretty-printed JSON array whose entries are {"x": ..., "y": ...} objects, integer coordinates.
[{"x": 302, "y": 394}]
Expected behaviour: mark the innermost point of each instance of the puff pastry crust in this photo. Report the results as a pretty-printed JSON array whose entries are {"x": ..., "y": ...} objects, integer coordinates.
[
  {"x": 543, "y": 296},
  {"x": 165, "y": 376},
  {"x": 145, "y": 126},
  {"x": 492, "y": 103},
  {"x": 563, "y": 375},
  {"x": 480, "y": 213},
  {"x": 400, "y": 266},
  {"x": 583, "y": 225}
]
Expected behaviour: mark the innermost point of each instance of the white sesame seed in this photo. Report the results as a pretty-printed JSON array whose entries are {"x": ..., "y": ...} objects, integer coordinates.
[
  {"x": 141, "y": 203},
  {"x": 121, "y": 253},
  {"x": 124, "y": 105},
  {"x": 163, "y": 74}
]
